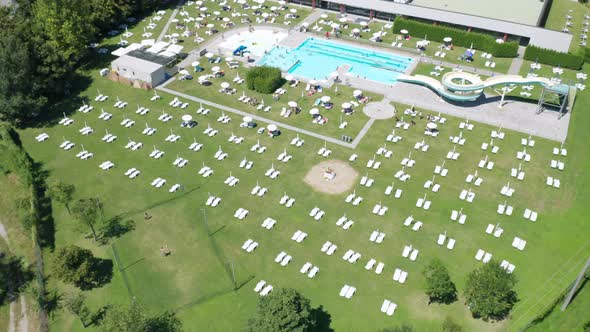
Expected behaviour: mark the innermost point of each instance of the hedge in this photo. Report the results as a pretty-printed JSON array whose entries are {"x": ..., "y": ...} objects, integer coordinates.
[
  {"x": 460, "y": 37},
  {"x": 554, "y": 58},
  {"x": 587, "y": 55},
  {"x": 264, "y": 79}
]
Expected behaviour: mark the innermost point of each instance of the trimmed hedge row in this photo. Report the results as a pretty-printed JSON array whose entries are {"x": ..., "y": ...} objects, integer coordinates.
[
  {"x": 264, "y": 79},
  {"x": 587, "y": 55},
  {"x": 460, "y": 37},
  {"x": 554, "y": 58}
]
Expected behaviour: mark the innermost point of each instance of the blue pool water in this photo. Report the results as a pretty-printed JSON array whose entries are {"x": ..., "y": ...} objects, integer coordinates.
[{"x": 317, "y": 59}]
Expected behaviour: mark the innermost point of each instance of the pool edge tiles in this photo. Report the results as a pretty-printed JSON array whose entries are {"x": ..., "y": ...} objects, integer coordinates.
[{"x": 318, "y": 59}]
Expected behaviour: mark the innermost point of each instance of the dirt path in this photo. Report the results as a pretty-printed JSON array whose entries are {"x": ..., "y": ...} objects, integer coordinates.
[{"x": 20, "y": 323}]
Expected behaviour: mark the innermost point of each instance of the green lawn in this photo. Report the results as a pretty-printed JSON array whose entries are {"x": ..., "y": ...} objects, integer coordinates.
[{"x": 557, "y": 19}]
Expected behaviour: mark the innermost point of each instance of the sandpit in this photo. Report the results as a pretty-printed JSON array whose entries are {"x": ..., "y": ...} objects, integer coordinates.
[{"x": 345, "y": 177}]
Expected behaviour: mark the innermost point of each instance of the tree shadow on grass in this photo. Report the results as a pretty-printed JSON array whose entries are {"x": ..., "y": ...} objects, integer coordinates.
[
  {"x": 115, "y": 228},
  {"x": 323, "y": 320}
]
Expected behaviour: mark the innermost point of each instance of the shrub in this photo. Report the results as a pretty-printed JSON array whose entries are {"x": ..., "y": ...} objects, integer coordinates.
[
  {"x": 554, "y": 58},
  {"x": 460, "y": 37},
  {"x": 264, "y": 79}
]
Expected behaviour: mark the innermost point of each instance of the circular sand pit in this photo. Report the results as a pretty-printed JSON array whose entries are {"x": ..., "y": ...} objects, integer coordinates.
[{"x": 344, "y": 177}]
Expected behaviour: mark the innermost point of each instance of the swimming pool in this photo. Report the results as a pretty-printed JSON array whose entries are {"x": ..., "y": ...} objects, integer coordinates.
[{"x": 317, "y": 59}]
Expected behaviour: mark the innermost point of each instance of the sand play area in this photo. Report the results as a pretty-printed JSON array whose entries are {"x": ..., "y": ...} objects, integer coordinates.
[
  {"x": 257, "y": 41},
  {"x": 344, "y": 179}
]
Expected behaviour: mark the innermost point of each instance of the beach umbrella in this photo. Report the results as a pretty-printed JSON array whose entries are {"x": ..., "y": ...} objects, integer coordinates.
[
  {"x": 500, "y": 41},
  {"x": 377, "y": 34},
  {"x": 184, "y": 72},
  {"x": 265, "y": 15},
  {"x": 210, "y": 25},
  {"x": 208, "y": 55},
  {"x": 447, "y": 39},
  {"x": 364, "y": 23},
  {"x": 247, "y": 119},
  {"x": 325, "y": 99},
  {"x": 273, "y": 8},
  {"x": 293, "y": 10},
  {"x": 226, "y": 19},
  {"x": 335, "y": 25},
  {"x": 324, "y": 16},
  {"x": 342, "y": 19},
  {"x": 356, "y": 30},
  {"x": 289, "y": 77},
  {"x": 199, "y": 18},
  {"x": 346, "y": 105},
  {"x": 292, "y": 103},
  {"x": 187, "y": 118},
  {"x": 225, "y": 85},
  {"x": 195, "y": 63},
  {"x": 305, "y": 24},
  {"x": 404, "y": 32},
  {"x": 357, "y": 93},
  {"x": 272, "y": 127},
  {"x": 314, "y": 111},
  {"x": 431, "y": 125},
  {"x": 216, "y": 13},
  {"x": 229, "y": 59},
  {"x": 282, "y": 2},
  {"x": 216, "y": 68},
  {"x": 203, "y": 9},
  {"x": 199, "y": 3}
]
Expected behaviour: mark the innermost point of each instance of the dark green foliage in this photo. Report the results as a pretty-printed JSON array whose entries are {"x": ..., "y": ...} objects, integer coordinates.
[
  {"x": 264, "y": 79},
  {"x": 489, "y": 292},
  {"x": 282, "y": 310},
  {"x": 399, "y": 328},
  {"x": 554, "y": 58},
  {"x": 13, "y": 276},
  {"x": 587, "y": 326},
  {"x": 62, "y": 193},
  {"x": 132, "y": 318},
  {"x": 74, "y": 303},
  {"x": 461, "y": 37},
  {"x": 78, "y": 266},
  {"x": 439, "y": 286},
  {"x": 86, "y": 211},
  {"x": 449, "y": 325}
]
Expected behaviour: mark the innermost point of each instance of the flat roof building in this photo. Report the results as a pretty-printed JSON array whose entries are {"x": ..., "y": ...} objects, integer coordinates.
[{"x": 136, "y": 69}]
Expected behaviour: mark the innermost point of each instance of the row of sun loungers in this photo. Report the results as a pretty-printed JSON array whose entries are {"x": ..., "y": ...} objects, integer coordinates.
[
  {"x": 287, "y": 201},
  {"x": 378, "y": 268},
  {"x": 213, "y": 201},
  {"x": 259, "y": 191},
  {"x": 328, "y": 248},
  {"x": 309, "y": 269},
  {"x": 344, "y": 222}
]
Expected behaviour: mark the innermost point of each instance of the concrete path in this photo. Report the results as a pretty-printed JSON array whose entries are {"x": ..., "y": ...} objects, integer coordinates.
[
  {"x": 167, "y": 26},
  {"x": 333, "y": 140},
  {"x": 4, "y": 233},
  {"x": 21, "y": 323},
  {"x": 515, "y": 66}
]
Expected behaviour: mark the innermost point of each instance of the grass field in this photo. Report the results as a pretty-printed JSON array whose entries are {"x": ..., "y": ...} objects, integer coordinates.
[{"x": 557, "y": 19}]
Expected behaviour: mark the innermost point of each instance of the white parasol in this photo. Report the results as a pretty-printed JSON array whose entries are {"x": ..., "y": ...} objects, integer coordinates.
[
  {"x": 357, "y": 93},
  {"x": 314, "y": 111},
  {"x": 346, "y": 105},
  {"x": 187, "y": 118},
  {"x": 325, "y": 99},
  {"x": 225, "y": 85},
  {"x": 292, "y": 103}
]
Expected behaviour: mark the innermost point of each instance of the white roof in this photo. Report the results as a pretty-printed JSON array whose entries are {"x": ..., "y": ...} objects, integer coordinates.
[
  {"x": 167, "y": 54},
  {"x": 158, "y": 47},
  {"x": 136, "y": 64},
  {"x": 174, "y": 48},
  {"x": 148, "y": 42},
  {"x": 124, "y": 50}
]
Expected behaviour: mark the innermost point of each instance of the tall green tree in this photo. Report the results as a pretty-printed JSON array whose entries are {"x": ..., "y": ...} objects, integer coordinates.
[
  {"x": 13, "y": 276},
  {"x": 85, "y": 211},
  {"x": 75, "y": 304},
  {"x": 439, "y": 286},
  {"x": 489, "y": 292},
  {"x": 78, "y": 266},
  {"x": 284, "y": 309},
  {"x": 62, "y": 193},
  {"x": 132, "y": 318},
  {"x": 62, "y": 30}
]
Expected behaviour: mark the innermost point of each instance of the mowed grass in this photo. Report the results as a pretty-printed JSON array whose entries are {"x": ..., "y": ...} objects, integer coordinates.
[
  {"x": 195, "y": 279},
  {"x": 557, "y": 19}
]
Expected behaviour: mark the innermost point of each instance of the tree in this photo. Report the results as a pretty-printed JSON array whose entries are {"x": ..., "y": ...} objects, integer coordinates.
[
  {"x": 62, "y": 193},
  {"x": 85, "y": 211},
  {"x": 74, "y": 303},
  {"x": 489, "y": 292},
  {"x": 282, "y": 310},
  {"x": 166, "y": 322},
  {"x": 439, "y": 286},
  {"x": 78, "y": 266},
  {"x": 13, "y": 276},
  {"x": 449, "y": 325},
  {"x": 132, "y": 318},
  {"x": 587, "y": 326},
  {"x": 264, "y": 79},
  {"x": 400, "y": 328}
]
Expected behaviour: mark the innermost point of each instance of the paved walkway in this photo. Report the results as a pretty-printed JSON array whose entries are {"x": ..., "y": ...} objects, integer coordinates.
[
  {"x": 515, "y": 66},
  {"x": 333, "y": 140},
  {"x": 167, "y": 26}
]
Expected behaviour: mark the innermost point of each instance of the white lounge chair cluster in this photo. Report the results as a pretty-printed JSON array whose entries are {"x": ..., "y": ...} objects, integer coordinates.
[
  {"x": 366, "y": 181},
  {"x": 176, "y": 103},
  {"x": 507, "y": 266},
  {"x": 486, "y": 163},
  {"x": 241, "y": 213},
  {"x": 324, "y": 152},
  {"x": 220, "y": 155},
  {"x": 408, "y": 161},
  {"x": 430, "y": 184},
  {"x": 209, "y": 131},
  {"x": 155, "y": 96},
  {"x": 283, "y": 258},
  {"x": 453, "y": 154},
  {"x": 149, "y": 131},
  {"x": 42, "y": 137},
  {"x": 329, "y": 248},
  {"x": 379, "y": 209},
  {"x": 84, "y": 155},
  {"x": 371, "y": 263},
  {"x": 203, "y": 111},
  {"x": 392, "y": 137},
  {"x": 523, "y": 155},
  {"x": 231, "y": 180},
  {"x": 206, "y": 171},
  {"x": 258, "y": 190},
  {"x": 388, "y": 307},
  {"x": 505, "y": 209},
  {"x": 263, "y": 288},
  {"x": 296, "y": 141},
  {"x": 195, "y": 146},
  {"x": 440, "y": 169},
  {"x": 389, "y": 190},
  {"x": 560, "y": 151},
  {"x": 483, "y": 256},
  {"x": 400, "y": 276},
  {"x": 235, "y": 139},
  {"x": 105, "y": 166},
  {"x": 347, "y": 291},
  {"x": 423, "y": 202},
  {"x": 402, "y": 175},
  {"x": 458, "y": 216},
  {"x": 351, "y": 256},
  {"x": 466, "y": 125},
  {"x": 158, "y": 182},
  {"x": 268, "y": 223},
  {"x": 383, "y": 151},
  {"x": 157, "y": 154},
  {"x": 486, "y": 145},
  {"x": 421, "y": 146},
  {"x": 518, "y": 243},
  {"x": 284, "y": 156},
  {"x": 344, "y": 222},
  {"x": 258, "y": 148},
  {"x": 377, "y": 237},
  {"x": 86, "y": 130},
  {"x": 174, "y": 188},
  {"x": 299, "y": 236},
  {"x": 402, "y": 124},
  {"x": 558, "y": 164},
  {"x": 309, "y": 269},
  {"x": 120, "y": 103},
  {"x": 372, "y": 163},
  {"x": 85, "y": 108},
  {"x": 100, "y": 97},
  {"x": 172, "y": 138},
  {"x": 66, "y": 145},
  {"x": 165, "y": 117},
  {"x": 133, "y": 145},
  {"x": 353, "y": 199},
  {"x": 498, "y": 134},
  {"x": 287, "y": 201},
  {"x": 245, "y": 163},
  {"x": 272, "y": 172},
  {"x": 507, "y": 190},
  {"x": 496, "y": 230},
  {"x": 250, "y": 245},
  {"x": 224, "y": 119},
  {"x": 213, "y": 201},
  {"x": 458, "y": 139},
  {"x": 553, "y": 182},
  {"x": 142, "y": 110},
  {"x": 416, "y": 224},
  {"x": 530, "y": 215},
  {"x": 410, "y": 252},
  {"x": 66, "y": 121},
  {"x": 105, "y": 115},
  {"x": 132, "y": 173},
  {"x": 517, "y": 172},
  {"x": 127, "y": 123},
  {"x": 442, "y": 238},
  {"x": 317, "y": 213}
]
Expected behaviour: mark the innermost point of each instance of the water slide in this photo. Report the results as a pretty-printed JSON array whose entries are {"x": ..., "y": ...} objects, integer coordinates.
[{"x": 463, "y": 86}]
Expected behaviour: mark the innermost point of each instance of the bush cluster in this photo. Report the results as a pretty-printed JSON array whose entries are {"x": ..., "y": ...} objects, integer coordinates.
[
  {"x": 460, "y": 37},
  {"x": 264, "y": 79},
  {"x": 554, "y": 58}
]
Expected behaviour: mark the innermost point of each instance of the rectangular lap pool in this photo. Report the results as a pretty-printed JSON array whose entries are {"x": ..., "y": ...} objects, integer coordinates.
[{"x": 317, "y": 59}]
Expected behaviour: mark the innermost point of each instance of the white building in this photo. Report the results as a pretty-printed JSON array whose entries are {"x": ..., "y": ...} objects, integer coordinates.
[{"x": 136, "y": 69}]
